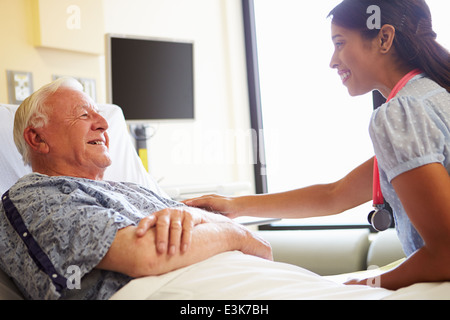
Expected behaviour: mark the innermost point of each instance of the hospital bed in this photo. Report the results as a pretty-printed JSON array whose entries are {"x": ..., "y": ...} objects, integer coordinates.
[{"x": 227, "y": 276}]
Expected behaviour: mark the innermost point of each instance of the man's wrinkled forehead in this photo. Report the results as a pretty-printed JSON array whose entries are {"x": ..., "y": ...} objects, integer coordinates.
[{"x": 70, "y": 99}]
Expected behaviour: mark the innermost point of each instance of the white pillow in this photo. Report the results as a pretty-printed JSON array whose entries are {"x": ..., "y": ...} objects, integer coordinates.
[{"x": 11, "y": 164}]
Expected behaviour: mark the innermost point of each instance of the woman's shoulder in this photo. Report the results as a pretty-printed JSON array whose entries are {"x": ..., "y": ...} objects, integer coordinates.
[
  {"x": 421, "y": 97},
  {"x": 422, "y": 88}
]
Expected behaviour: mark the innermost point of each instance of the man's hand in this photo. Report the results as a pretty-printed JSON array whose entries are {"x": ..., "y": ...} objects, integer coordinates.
[
  {"x": 199, "y": 234},
  {"x": 174, "y": 227},
  {"x": 254, "y": 244}
]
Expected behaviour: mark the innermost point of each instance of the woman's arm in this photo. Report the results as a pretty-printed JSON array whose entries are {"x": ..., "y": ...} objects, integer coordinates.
[
  {"x": 318, "y": 200},
  {"x": 425, "y": 195}
]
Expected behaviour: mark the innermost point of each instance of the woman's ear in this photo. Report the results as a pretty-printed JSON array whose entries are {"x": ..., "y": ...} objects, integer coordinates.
[
  {"x": 386, "y": 38},
  {"x": 35, "y": 141}
]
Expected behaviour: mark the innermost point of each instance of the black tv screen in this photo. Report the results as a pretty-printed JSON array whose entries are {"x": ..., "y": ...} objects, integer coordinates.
[{"x": 151, "y": 79}]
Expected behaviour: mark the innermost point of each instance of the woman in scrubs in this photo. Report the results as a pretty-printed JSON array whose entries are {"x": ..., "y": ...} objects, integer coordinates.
[{"x": 410, "y": 134}]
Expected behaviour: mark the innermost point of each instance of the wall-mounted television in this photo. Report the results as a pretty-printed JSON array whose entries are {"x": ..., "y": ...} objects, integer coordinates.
[{"x": 149, "y": 78}]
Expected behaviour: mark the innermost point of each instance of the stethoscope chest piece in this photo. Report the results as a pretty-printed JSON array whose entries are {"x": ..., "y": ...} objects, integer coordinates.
[{"x": 380, "y": 219}]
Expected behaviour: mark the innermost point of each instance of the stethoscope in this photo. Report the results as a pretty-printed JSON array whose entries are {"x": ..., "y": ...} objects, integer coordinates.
[{"x": 381, "y": 218}]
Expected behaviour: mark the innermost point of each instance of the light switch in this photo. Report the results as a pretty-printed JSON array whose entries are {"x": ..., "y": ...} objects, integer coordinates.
[{"x": 20, "y": 86}]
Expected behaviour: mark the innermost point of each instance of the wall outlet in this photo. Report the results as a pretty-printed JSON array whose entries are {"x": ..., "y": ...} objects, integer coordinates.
[{"x": 20, "y": 86}]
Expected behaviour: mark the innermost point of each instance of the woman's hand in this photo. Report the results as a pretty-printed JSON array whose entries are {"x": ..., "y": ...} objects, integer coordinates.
[
  {"x": 374, "y": 282},
  {"x": 174, "y": 227},
  {"x": 226, "y": 206}
]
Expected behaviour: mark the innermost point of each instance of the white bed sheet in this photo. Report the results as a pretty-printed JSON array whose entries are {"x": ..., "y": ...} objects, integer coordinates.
[
  {"x": 418, "y": 291},
  {"x": 235, "y": 276}
]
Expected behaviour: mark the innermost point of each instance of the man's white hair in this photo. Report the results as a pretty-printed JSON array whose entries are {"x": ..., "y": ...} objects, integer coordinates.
[{"x": 32, "y": 112}]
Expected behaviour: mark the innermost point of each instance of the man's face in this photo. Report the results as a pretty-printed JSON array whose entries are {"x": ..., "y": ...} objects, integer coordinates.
[{"x": 76, "y": 135}]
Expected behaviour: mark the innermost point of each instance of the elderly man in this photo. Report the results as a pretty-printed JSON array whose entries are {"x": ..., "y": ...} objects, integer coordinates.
[{"x": 64, "y": 218}]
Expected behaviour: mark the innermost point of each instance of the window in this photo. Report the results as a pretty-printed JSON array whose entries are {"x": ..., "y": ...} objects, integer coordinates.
[{"x": 314, "y": 132}]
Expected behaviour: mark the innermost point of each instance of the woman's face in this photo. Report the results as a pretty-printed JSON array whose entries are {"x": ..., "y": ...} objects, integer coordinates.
[{"x": 355, "y": 60}]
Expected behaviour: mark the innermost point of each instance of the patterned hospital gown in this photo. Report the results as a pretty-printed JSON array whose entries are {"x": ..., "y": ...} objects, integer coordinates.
[
  {"x": 63, "y": 227},
  {"x": 410, "y": 131}
]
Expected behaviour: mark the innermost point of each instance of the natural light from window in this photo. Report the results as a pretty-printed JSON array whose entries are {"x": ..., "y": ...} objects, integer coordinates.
[{"x": 314, "y": 131}]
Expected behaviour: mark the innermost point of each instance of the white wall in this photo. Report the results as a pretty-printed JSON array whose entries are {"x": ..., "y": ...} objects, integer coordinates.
[{"x": 18, "y": 51}]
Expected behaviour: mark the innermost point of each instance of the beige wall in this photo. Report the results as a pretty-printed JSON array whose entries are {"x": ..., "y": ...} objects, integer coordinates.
[
  {"x": 18, "y": 52},
  {"x": 213, "y": 148}
]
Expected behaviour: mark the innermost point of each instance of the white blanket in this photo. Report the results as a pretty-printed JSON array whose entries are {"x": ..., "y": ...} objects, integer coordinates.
[{"x": 235, "y": 276}]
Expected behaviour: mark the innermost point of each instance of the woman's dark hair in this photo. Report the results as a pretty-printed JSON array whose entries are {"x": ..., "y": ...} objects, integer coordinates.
[{"x": 415, "y": 41}]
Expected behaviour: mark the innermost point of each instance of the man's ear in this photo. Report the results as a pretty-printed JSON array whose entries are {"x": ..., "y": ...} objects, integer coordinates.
[
  {"x": 386, "y": 38},
  {"x": 35, "y": 141}
]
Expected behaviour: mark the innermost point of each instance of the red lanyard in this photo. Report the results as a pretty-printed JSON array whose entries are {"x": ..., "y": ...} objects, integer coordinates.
[{"x": 377, "y": 194}]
